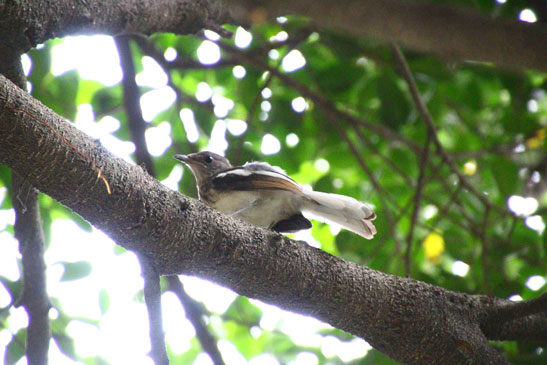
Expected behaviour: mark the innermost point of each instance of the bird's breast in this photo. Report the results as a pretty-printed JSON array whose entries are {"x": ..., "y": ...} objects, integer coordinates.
[{"x": 261, "y": 208}]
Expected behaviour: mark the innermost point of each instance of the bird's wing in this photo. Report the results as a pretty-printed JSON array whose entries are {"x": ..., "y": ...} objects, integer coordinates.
[{"x": 242, "y": 178}]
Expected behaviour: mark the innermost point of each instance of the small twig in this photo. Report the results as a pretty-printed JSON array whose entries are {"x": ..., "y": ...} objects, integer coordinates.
[
  {"x": 366, "y": 140},
  {"x": 428, "y": 119},
  {"x": 484, "y": 252},
  {"x": 376, "y": 128}
]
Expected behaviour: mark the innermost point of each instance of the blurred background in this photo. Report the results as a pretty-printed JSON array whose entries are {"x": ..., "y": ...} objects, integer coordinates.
[{"x": 337, "y": 115}]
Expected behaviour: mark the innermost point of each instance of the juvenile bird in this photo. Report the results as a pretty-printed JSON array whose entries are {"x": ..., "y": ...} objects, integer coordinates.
[{"x": 265, "y": 196}]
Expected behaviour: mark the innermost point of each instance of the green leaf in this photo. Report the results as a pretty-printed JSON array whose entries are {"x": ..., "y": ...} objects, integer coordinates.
[
  {"x": 506, "y": 175},
  {"x": 104, "y": 301},
  {"x": 16, "y": 348},
  {"x": 395, "y": 109},
  {"x": 66, "y": 344},
  {"x": 75, "y": 270}
]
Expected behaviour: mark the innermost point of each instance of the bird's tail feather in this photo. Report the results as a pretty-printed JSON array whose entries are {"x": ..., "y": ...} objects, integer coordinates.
[{"x": 347, "y": 212}]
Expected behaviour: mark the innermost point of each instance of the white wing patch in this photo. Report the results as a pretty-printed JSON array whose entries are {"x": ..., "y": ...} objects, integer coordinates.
[
  {"x": 243, "y": 171},
  {"x": 264, "y": 166}
]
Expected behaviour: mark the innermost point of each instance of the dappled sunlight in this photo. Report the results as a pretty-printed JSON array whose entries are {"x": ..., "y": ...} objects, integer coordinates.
[
  {"x": 243, "y": 38},
  {"x": 222, "y": 104},
  {"x": 203, "y": 92},
  {"x": 189, "y": 123},
  {"x": 236, "y": 126},
  {"x": 467, "y": 202},
  {"x": 522, "y": 206},
  {"x": 299, "y": 104},
  {"x": 293, "y": 61},
  {"x": 292, "y": 139},
  {"x": 528, "y": 16},
  {"x": 158, "y": 139},
  {"x": 239, "y": 72},
  {"x": 218, "y": 142},
  {"x": 155, "y": 101},
  {"x": 460, "y": 268},
  {"x": 270, "y": 145},
  {"x": 95, "y": 58},
  {"x": 152, "y": 74},
  {"x": 208, "y": 53},
  {"x": 535, "y": 282}
]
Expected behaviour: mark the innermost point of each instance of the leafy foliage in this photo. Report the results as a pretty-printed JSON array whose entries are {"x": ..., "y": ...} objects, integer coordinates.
[{"x": 360, "y": 135}]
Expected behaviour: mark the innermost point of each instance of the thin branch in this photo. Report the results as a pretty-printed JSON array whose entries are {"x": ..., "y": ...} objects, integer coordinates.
[
  {"x": 426, "y": 116},
  {"x": 382, "y": 194},
  {"x": 420, "y": 185},
  {"x": 131, "y": 99},
  {"x": 379, "y": 129},
  {"x": 28, "y": 231},
  {"x": 182, "y": 63},
  {"x": 485, "y": 251},
  {"x": 34, "y": 297},
  {"x": 152, "y": 298},
  {"x": 195, "y": 313},
  {"x": 136, "y": 126}
]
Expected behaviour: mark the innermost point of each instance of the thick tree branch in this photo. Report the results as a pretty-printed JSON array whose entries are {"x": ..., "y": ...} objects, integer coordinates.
[
  {"x": 409, "y": 320},
  {"x": 505, "y": 320},
  {"x": 452, "y": 33},
  {"x": 23, "y": 27}
]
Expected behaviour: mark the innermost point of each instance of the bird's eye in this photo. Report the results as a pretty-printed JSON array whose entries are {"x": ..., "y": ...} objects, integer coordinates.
[{"x": 208, "y": 159}]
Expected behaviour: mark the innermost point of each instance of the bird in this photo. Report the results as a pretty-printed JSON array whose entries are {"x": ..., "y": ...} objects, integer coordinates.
[{"x": 265, "y": 196}]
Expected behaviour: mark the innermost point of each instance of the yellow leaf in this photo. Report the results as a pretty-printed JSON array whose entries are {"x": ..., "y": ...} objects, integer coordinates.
[
  {"x": 434, "y": 246},
  {"x": 537, "y": 140},
  {"x": 534, "y": 142}
]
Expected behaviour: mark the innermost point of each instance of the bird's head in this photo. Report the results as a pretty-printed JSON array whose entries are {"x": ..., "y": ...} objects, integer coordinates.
[{"x": 204, "y": 164}]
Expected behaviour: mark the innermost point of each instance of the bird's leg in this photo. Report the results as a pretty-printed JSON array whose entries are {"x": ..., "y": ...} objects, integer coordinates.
[{"x": 251, "y": 204}]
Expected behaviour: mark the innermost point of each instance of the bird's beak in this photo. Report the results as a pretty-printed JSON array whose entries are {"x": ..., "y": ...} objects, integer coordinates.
[
  {"x": 188, "y": 160},
  {"x": 183, "y": 158}
]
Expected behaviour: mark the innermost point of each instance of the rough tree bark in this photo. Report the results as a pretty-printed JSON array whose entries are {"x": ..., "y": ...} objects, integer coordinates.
[
  {"x": 23, "y": 25},
  {"x": 410, "y": 321},
  {"x": 454, "y": 34},
  {"x": 459, "y": 34}
]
